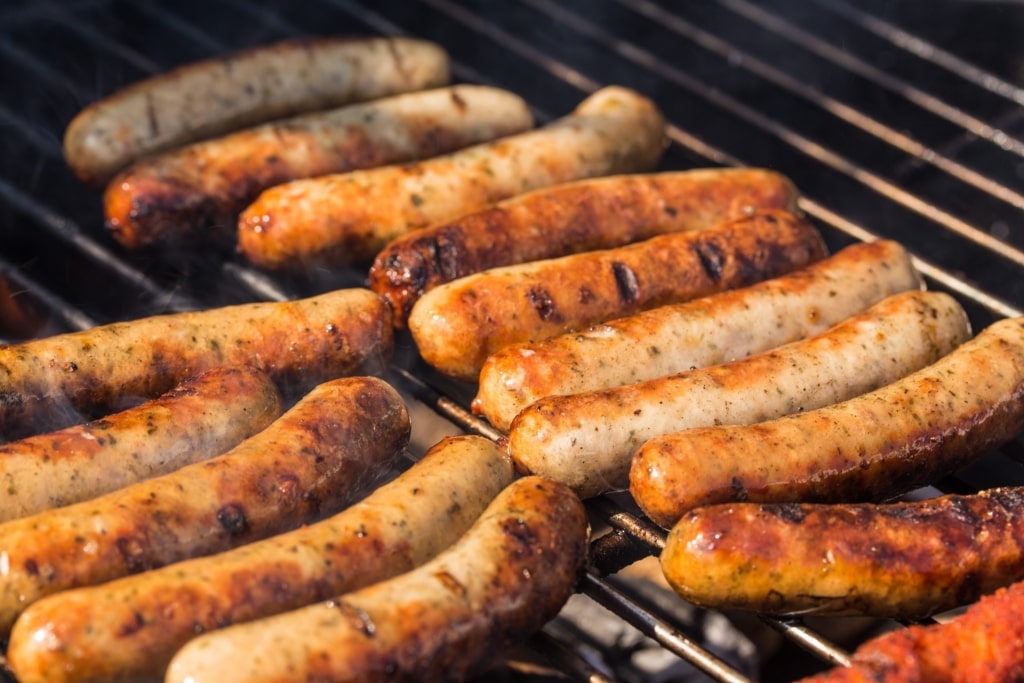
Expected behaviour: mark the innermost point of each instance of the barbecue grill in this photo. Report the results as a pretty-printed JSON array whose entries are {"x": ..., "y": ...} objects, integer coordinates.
[{"x": 896, "y": 120}]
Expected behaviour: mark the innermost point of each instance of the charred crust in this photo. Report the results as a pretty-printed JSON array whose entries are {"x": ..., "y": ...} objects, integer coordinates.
[
  {"x": 132, "y": 627},
  {"x": 626, "y": 282},
  {"x": 133, "y": 552},
  {"x": 545, "y": 306},
  {"x": 712, "y": 259},
  {"x": 232, "y": 519},
  {"x": 792, "y": 513}
]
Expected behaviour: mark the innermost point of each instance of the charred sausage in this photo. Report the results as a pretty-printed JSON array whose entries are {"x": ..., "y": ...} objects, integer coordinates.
[
  {"x": 448, "y": 619},
  {"x": 585, "y": 440},
  {"x": 318, "y": 456},
  {"x": 569, "y": 218},
  {"x": 458, "y": 324},
  {"x": 875, "y": 446},
  {"x": 222, "y": 94},
  {"x": 347, "y": 218},
  {"x": 194, "y": 194}
]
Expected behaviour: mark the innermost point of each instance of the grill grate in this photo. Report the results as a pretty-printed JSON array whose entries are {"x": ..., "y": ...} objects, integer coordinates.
[{"x": 893, "y": 123}]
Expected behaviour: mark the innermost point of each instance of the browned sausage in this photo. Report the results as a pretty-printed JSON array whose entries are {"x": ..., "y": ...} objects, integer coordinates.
[{"x": 567, "y": 219}]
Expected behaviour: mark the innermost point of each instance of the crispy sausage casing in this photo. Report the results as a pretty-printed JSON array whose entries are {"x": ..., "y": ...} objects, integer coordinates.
[
  {"x": 585, "y": 440},
  {"x": 567, "y": 219},
  {"x": 198, "y": 419},
  {"x": 314, "y": 459},
  {"x": 694, "y": 334},
  {"x": 195, "y": 194},
  {"x": 450, "y": 618},
  {"x": 215, "y": 96},
  {"x": 128, "y": 629},
  {"x": 347, "y": 218},
  {"x": 458, "y": 324},
  {"x": 902, "y": 560},
  {"x": 57, "y": 381},
  {"x": 903, "y": 435}
]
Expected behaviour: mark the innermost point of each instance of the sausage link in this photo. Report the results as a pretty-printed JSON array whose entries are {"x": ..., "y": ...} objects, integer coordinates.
[
  {"x": 195, "y": 194},
  {"x": 318, "y": 456},
  {"x": 458, "y": 324},
  {"x": 902, "y": 560},
  {"x": 877, "y": 445},
  {"x": 566, "y": 219},
  {"x": 448, "y": 619},
  {"x": 215, "y": 96},
  {"x": 50, "y": 383},
  {"x": 586, "y": 440},
  {"x": 202, "y": 417},
  {"x": 695, "y": 334},
  {"x": 128, "y": 629},
  {"x": 347, "y": 218}
]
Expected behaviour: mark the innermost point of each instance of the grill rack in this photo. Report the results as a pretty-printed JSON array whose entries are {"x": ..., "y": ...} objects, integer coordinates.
[{"x": 546, "y": 52}]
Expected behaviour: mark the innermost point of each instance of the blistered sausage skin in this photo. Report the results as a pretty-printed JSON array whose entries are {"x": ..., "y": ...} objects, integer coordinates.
[
  {"x": 448, "y": 619},
  {"x": 584, "y": 215},
  {"x": 875, "y": 446},
  {"x": 53, "y": 382},
  {"x": 348, "y": 217},
  {"x": 457, "y": 325},
  {"x": 586, "y": 440},
  {"x": 194, "y": 194},
  {"x": 222, "y": 94},
  {"x": 202, "y": 417},
  {"x": 695, "y": 334},
  {"x": 317, "y": 457},
  {"x": 128, "y": 629},
  {"x": 902, "y": 560}
]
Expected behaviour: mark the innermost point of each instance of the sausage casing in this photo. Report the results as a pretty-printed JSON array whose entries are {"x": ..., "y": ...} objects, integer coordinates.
[
  {"x": 50, "y": 383},
  {"x": 452, "y": 617},
  {"x": 586, "y": 440},
  {"x": 695, "y": 334},
  {"x": 584, "y": 215},
  {"x": 458, "y": 324},
  {"x": 194, "y": 194},
  {"x": 875, "y": 446},
  {"x": 202, "y": 417},
  {"x": 318, "y": 456},
  {"x": 902, "y": 560},
  {"x": 348, "y": 217},
  {"x": 128, "y": 629},
  {"x": 222, "y": 94}
]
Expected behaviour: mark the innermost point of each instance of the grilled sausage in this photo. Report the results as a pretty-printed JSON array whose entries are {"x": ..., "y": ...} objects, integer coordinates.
[
  {"x": 314, "y": 459},
  {"x": 57, "y": 381},
  {"x": 128, "y": 630},
  {"x": 195, "y": 194},
  {"x": 458, "y": 324},
  {"x": 215, "y": 96},
  {"x": 567, "y": 219},
  {"x": 450, "y": 618},
  {"x": 985, "y": 644},
  {"x": 902, "y": 560},
  {"x": 585, "y": 440},
  {"x": 906, "y": 434},
  {"x": 198, "y": 419},
  {"x": 347, "y": 218},
  {"x": 695, "y": 334}
]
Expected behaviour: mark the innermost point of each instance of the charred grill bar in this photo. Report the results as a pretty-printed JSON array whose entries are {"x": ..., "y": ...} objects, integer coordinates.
[{"x": 895, "y": 120}]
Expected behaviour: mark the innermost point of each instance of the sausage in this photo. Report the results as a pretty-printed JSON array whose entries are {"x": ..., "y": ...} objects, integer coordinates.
[
  {"x": 128, "y": 629},
  {"x": 875, "y": 446},
  {"x": 566, "y": 219},
  {"x": 985, "y": 644},
  {"x": 457, "y": 325},
  {"x": 194, "y": 194},
  {"x": 222, "y": 94},
  {"x": 347, "y": 218},
  {"x": 695, "y": 334},
  {"x": 202, "y": 417},
  {"x": 904, "y": 560},
  {"x": 317, "y": 457},
  {"x": 448, "y": 619},
  {"x": 50, "y": 383},
  {"x": 586, "y": 440}
]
